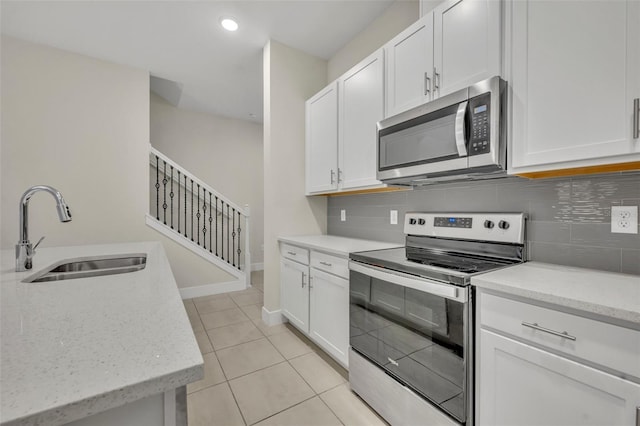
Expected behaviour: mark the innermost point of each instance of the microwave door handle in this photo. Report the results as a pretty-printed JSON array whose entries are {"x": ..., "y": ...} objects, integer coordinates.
[{"x": 461, "y": 142}]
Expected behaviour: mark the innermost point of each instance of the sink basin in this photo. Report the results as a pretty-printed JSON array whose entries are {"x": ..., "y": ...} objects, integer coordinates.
[{"x": 85, "y": 267}]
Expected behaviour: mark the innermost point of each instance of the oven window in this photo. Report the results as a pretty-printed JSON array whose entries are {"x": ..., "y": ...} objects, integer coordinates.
[
  {"x": 421, "y": 140},
  {"x": 415, "y": 336}
]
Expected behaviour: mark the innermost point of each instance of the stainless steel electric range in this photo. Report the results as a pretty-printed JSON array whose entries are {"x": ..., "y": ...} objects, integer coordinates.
[{"x": 411, "y": 314}]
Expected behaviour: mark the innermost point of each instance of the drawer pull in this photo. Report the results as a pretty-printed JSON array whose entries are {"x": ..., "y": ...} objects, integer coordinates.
[
  {"x": 325, "y": 264},
  {"x": 292, "y": 253},
  {"x": 535, "y": 326}
]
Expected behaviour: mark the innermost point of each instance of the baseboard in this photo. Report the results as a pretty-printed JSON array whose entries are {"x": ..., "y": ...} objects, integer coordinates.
[
  {"x": 257, "y": 267},
  {"x": 210, "y": 289},
  {"x": 272, "y": 317}
]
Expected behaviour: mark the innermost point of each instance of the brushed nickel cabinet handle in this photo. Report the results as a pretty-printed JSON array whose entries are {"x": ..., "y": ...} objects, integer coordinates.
[
  {"x": 303, "y": 276},
  {"x": 436, "y": 81},
  {"x": 292, "y": 253},
  {"x": 636, "y": 118},
  {"x": 333, "y": 177},
  {"x": 339, "y": 175},
  {"x": 427, "y": 83},
  {"x": 325, "y": 263},
  {"x": 562, "y": 334}
]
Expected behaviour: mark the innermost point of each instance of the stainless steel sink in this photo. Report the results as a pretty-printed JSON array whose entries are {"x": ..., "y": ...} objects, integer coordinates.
[{"x": 85, "y": 267}]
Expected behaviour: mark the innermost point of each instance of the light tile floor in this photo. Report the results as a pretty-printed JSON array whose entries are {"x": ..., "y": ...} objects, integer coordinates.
[{"x": 261, "y": 375}]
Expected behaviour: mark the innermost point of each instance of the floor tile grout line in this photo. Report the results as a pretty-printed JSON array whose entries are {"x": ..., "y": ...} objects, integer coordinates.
[
  {"x": 288, "y": 408},
  {"x": 238, "y": 344},
  {"x": 329, "y": 407},
  {"x": 236, "y": 401},
  {"x": 255, "y": 371}
]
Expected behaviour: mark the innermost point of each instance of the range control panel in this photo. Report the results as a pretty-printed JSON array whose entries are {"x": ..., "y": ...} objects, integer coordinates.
[
  {"x": 497, "y": 227},
  {"x": 452, "y": 222}
]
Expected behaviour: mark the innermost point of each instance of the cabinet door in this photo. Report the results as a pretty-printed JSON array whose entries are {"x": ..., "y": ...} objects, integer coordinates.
[
  {"x": 329, "y": 322},
  {"x": 409, "y": 65},
  {"x": 361, "y": 107},
  {"x": 322, "y": 140},
  {"x": 522, "y": 385},
  {"x": 294, "y": 293},
  {"x": 574, "y": 73},
  {"x": 466, "y": 43}
]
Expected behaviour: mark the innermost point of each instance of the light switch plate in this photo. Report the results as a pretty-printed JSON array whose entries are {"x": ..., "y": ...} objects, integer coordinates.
[
  {"x": 343, "y": 215},
  {"x": 624, "y": 219},
  {"x": 393, "y": 217}
]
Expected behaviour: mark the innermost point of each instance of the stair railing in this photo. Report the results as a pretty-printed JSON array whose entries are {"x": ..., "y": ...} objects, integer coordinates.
[{"x": 199, "y": 213}]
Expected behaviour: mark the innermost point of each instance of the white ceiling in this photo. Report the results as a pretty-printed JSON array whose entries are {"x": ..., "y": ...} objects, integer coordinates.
[{"x": 208, "y": 69}]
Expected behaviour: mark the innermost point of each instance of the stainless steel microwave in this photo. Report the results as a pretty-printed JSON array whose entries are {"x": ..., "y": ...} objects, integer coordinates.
[{"x": 457, "y": 136}]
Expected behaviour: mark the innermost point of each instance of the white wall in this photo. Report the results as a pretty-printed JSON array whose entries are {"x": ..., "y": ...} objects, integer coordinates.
[
  {"x": 394, "y": 20},
  {"x": 80, "y": 125},
  {"x": 225, "y": 153},
  {"x": 290, "y": 77}
]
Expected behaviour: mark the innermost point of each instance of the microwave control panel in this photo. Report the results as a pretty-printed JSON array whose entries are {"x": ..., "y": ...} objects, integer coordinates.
[{"x": 480, "y": 131}]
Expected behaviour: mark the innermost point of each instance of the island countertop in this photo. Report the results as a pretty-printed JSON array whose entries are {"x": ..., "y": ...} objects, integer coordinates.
[{"x": 73, "y": 348}]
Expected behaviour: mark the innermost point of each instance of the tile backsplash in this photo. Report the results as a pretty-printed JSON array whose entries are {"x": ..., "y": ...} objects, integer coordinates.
[{"x": 569, "y": 218}]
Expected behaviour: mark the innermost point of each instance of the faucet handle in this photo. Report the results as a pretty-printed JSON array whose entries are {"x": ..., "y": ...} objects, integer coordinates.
[{"x": 33, "y": 250}]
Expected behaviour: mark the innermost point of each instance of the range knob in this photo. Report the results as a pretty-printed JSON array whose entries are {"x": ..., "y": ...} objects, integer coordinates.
[
  {"x": 503, "y": 224},
  {"x": 489, "y": 224},
  {"x": 412, "y": 221},
  {"x": 421, "y": 221}
]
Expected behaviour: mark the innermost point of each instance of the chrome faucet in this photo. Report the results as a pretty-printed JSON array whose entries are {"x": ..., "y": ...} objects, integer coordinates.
[{"x": 24, "y": 250}]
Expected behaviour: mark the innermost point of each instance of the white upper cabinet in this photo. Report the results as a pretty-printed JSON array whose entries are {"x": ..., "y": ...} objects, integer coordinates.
[
  {"x": 455, "y": 46},
  {"x": 467, "y": 46},
  {"x": 574, "y": 70},
  {"x": 409, "y": 67},
  {"x": 361, "y": 106},
  {"x": 322, "y": 140}
]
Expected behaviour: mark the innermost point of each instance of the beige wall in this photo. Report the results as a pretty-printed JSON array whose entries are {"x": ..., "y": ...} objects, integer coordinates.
[
  {"x": 80, "y": 125},
  {"x": 396, "y": 18},
  {"x": 290, "y": 77},
  {"x": 225, "y": 153}
]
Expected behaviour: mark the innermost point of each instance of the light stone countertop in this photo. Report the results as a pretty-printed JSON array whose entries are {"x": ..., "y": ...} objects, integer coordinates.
[
  {"x": 340, "y": 246},
  {"x": 605, "y": 294},
  {"x": 73, "y": 348}
]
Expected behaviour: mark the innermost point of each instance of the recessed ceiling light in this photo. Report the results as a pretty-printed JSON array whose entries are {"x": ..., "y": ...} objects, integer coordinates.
[{"x": 229, "y": 24}]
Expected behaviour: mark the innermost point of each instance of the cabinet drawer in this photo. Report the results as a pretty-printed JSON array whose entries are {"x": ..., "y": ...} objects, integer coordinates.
[
  {"x": 605, "y": 344},
  {"x": 298, "y": 254},
  {"x": 333, "y": 264}
]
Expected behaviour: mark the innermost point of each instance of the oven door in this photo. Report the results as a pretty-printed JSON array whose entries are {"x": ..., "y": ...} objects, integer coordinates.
[{"x": 417, "y": 331}]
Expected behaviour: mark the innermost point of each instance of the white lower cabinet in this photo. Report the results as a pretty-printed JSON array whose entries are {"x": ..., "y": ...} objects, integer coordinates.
[
  {"x": 314, "y": 297},
  {"x": 538, "y": 379},
  {"x": 523, "y": 385},
  {"x": 294, "y": 290},
  {"x": 330, "y": 314}
]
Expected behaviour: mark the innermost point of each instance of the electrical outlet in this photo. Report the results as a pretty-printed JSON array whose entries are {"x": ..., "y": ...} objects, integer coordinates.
[
  {"x": 624, "y": 219},
  {"x": 343, "y": 215},
  {"x": 393, "y": 217}
]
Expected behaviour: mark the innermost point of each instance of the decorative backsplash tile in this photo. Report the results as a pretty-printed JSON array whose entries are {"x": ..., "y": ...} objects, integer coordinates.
[{"x": 569, "y": 218}]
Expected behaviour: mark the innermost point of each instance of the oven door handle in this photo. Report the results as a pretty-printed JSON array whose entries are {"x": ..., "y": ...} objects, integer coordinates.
[
  {"x": 461, "y": 141},
  {"x": 448, "y": 291}
]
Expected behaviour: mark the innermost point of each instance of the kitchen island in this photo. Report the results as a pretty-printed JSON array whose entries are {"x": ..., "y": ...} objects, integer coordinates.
[{"x": 118, "y": 345}]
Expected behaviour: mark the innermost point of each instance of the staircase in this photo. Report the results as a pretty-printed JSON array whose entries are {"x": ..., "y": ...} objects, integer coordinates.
[{"x": 193, "y": 214}]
